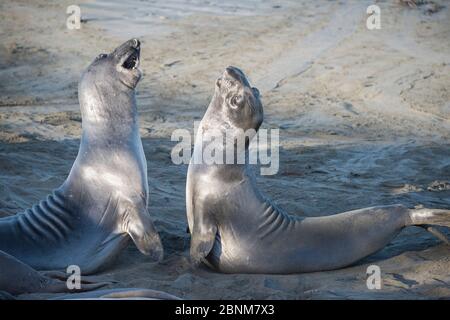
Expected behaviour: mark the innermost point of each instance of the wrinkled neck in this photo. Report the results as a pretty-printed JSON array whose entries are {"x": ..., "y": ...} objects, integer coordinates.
[
  {"x": 218, "y": 145},
  {"x": 109, "y": 118},
  {"x": 109, "y": 114}
]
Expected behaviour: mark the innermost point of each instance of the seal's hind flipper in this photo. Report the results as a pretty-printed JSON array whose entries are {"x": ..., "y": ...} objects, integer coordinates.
[
  {"x": 95, "y": 281},
  {"x": 141, "y": 229},
  {"x": 18, "y": 278},
  {"x": 437, "y": 233},
  {"x": 57, "y": 285},
  {"x": 120, "y": 294}
]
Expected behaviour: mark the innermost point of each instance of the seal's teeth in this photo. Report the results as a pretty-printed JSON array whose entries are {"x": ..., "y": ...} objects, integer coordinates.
[{"x": 136, "y": 63}]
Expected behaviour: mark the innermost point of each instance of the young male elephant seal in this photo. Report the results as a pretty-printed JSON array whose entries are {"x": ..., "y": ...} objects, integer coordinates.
[
  {"x": 86, "y": 221},
  {"x": 236, "y": 229}
]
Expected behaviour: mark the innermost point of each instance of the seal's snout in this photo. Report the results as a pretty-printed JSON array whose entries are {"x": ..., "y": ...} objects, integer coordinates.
[
  {"x": 235, "y": 74},
  {"x": 132, "y": 43},
  {"x": 136, "y": 43}
]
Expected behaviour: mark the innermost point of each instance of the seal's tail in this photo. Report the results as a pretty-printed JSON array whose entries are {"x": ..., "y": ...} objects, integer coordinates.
[{"x": 429, "y": 219}]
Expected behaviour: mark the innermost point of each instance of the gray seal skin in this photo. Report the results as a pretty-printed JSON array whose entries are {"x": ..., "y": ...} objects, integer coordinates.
[
  {"x": 88, "y": 220},
  {"x": 236, "y": 229},
  {"x": 16, "y": 278}
]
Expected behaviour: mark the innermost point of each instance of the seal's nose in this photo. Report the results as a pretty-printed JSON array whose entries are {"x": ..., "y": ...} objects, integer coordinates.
[
  {"x": 136, "y": 43},
  {"x": 236, "y": 74},
  {"x": 233, "y": 73}
]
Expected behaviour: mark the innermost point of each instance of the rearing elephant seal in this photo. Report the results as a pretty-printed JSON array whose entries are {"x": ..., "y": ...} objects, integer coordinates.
[
  {"x": 89, "y": 219},
  {"x": 236, "y": 229}
]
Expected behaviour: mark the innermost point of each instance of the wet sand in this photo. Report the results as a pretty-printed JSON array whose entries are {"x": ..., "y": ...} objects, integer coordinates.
[{"x": 363, "y": 118}]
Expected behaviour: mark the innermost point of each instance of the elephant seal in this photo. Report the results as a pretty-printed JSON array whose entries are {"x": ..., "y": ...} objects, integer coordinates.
[
  {"x": 236, "y": 229},
  {"x": 87, "y": 221}
]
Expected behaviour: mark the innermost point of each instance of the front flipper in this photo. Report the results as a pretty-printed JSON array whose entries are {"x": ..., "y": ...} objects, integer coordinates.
[
  {"x": 141, "y": 229},
  {"x": 203, "y": 237}
]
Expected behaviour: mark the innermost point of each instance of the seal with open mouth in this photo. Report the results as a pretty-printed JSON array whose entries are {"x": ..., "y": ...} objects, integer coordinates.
[
  {"x": 88, "y": 220},
  {"x": 236, "y": 229}
]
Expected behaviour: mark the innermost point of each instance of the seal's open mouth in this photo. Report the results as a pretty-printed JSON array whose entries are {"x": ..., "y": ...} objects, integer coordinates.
[
  {"x": 129, "y": 54},
  {"x": 127, "y": 57},
  {"x": 132, "y": 62}
]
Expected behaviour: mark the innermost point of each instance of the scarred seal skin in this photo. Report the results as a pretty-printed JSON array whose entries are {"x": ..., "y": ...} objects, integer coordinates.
[
  {"x": 88, "y": 220},
  {"x": 236, "y": 229}
]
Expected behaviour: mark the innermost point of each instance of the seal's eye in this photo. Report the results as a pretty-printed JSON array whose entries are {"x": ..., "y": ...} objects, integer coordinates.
[{"x": 237, "y": 101}]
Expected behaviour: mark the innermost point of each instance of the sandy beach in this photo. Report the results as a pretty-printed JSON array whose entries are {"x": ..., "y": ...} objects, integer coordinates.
[{"x": 364, "y": 120}]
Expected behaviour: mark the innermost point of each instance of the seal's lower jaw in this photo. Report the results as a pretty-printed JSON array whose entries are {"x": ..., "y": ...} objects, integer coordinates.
[{"x": 130, "y": 77}]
